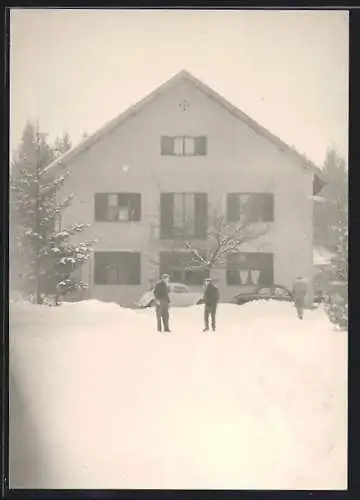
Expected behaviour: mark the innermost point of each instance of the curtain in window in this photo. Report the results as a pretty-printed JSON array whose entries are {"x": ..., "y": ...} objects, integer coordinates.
[
  {"x": 201, "y": 216},
  {"x": 189, "y": 146},
  {"x": 250, "y": 268},
  {"x": 178, "y": 211},
  {"x": 166, "y": 215},
  {"x": 189, "y": 214},
  {"x": 178, "y": 146}
]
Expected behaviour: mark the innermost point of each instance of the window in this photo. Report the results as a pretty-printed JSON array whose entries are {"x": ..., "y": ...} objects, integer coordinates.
[
  {"x": 117, "y": 268},
  {"x": 178, "y": 289},
  {"x": 281, "y": 292},
  {"x": 184, "y": 146},
  {"x": 250, "y": 207},
  {"x": 250, "y": 269},
  {"x": 175, "y": 264},
  {"x": 119, "y": 207},
  {"x": 183, "y": 215}
]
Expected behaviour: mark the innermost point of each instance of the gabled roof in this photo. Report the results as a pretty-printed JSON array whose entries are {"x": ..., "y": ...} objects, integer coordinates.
[{"x": 319, "y": 178}]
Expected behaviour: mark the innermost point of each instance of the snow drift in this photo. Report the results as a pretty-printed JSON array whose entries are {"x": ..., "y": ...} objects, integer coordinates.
[{"x": 111, "y": 403}]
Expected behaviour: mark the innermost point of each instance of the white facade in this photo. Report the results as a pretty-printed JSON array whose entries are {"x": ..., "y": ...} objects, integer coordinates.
[{"x": 127, "y": 159}]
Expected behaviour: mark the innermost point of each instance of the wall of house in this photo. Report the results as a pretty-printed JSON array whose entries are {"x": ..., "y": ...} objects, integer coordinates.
[{"x": 238, "y": 160}]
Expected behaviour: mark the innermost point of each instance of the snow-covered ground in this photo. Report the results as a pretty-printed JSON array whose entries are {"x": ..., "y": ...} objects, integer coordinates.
[{"x": 99, "y": 399}]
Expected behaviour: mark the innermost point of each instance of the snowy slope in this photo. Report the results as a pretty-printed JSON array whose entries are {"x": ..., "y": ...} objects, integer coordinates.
[{"x": 111, "y": 403}]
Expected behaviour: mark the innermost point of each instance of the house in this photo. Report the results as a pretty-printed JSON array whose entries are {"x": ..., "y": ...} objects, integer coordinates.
[{"x": 161, "y": 165}]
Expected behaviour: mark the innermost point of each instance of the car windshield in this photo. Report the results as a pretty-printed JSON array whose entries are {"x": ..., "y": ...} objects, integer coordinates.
[{"x": 281, "y": 292}]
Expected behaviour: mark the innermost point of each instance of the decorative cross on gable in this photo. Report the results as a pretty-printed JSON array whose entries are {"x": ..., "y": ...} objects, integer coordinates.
[{"x": 184, "y": 105}]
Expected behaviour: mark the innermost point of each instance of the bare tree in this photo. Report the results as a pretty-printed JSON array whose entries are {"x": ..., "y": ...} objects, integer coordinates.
[{"x": 223, "y": 239}]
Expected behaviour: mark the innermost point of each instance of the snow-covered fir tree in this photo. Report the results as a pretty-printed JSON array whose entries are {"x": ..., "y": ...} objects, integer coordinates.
[
  {"x": 47, "y": 254},
  {"x": 331, "y": 231},
  {"x": 336, "y": 299},
  {"x": 63, "y": 144}
]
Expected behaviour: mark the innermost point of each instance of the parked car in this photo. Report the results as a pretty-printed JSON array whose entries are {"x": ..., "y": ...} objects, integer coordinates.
[
  {"x": 180, "y": 296},
  {"x": 274, "y": 292}
]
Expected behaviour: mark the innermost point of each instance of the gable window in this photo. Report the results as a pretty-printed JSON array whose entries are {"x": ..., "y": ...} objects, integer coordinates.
[
  {"x": 184, "y": 146},
  {"x": 183, "y": 215},
  {"x": 117, "y": 268},
  {"x": 176, "y": 264},
  {"x": 250, "y": 207},
  {"x": 249, "y": 269},
  {"x": 120, "y": 207}
]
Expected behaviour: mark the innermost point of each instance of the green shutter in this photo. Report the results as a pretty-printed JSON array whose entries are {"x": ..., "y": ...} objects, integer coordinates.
[
  {"x": 166, "y": 215},
  {"x": 201, "y": 215}
]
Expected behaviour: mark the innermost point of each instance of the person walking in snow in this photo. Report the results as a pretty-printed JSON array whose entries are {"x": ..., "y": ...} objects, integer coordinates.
[
  {"x": 299, "y": 292},
  {"x": 162, "y": 301},
  {"x": 211, "y": 299}
]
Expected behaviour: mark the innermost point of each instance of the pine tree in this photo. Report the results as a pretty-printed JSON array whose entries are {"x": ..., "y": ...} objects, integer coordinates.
[
  {"x": 48, "y": 256},
  {"x": 63, "y": 144},
  {"x": 331, "y": 231},
  {"x": 333, "y": 197}
]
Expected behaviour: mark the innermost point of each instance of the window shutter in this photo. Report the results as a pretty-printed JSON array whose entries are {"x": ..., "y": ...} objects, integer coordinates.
[
  {"x": 100, "y": 268},
  {"x": 100, "y": 206},
  {"x": 264, "y": 262},
  {"x": 133, "y": 202},
  {"x": 201, "y": 216},
  {"x": 167, "y": 145},
  {"x": 136, "y": 206},
  {"x": 166, "y": 215},
  {"x": 133, "y": 267},
  {"x": 200, "y": 146},
  {"x": 233, "y": 207},
  {"x": 268, "y": 207}
]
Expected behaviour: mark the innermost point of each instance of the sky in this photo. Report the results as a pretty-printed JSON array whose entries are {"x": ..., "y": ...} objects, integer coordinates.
[{"x": 75, "y": 70}]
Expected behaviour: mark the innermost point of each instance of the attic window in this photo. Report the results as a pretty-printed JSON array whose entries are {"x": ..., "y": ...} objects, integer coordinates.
[{"x": 184, "y": 146}]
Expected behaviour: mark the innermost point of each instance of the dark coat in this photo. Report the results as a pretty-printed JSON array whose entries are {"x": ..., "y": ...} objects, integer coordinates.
[
  {"x": 161, "y": 292},
  {"x": 299, "y": 291},
  {"x": 211, "y": 295}
]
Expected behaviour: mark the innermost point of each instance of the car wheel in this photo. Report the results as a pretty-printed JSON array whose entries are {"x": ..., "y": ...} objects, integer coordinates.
[
  {"x": 199, "y": 302},
  {"x": 151, "y": 303}
]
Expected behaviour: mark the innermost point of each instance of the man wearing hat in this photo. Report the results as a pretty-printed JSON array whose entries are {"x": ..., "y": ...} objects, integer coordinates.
[
  {"x": 162, "y": 301},
  {"x": 211, "y": 299}
]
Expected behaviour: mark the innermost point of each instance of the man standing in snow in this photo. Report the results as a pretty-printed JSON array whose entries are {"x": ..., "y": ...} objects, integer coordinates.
[
  {"x": 211, "y": 299},
  {"x": 299, "y": 292},
  {"x": 162, "y": 301}
]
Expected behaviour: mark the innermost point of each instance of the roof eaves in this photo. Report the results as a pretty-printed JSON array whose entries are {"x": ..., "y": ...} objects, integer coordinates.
[
  {"x": 183, "y": 74},
  {"x": 257, "y": 127},
  {"x": 118, "y": 120}
]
